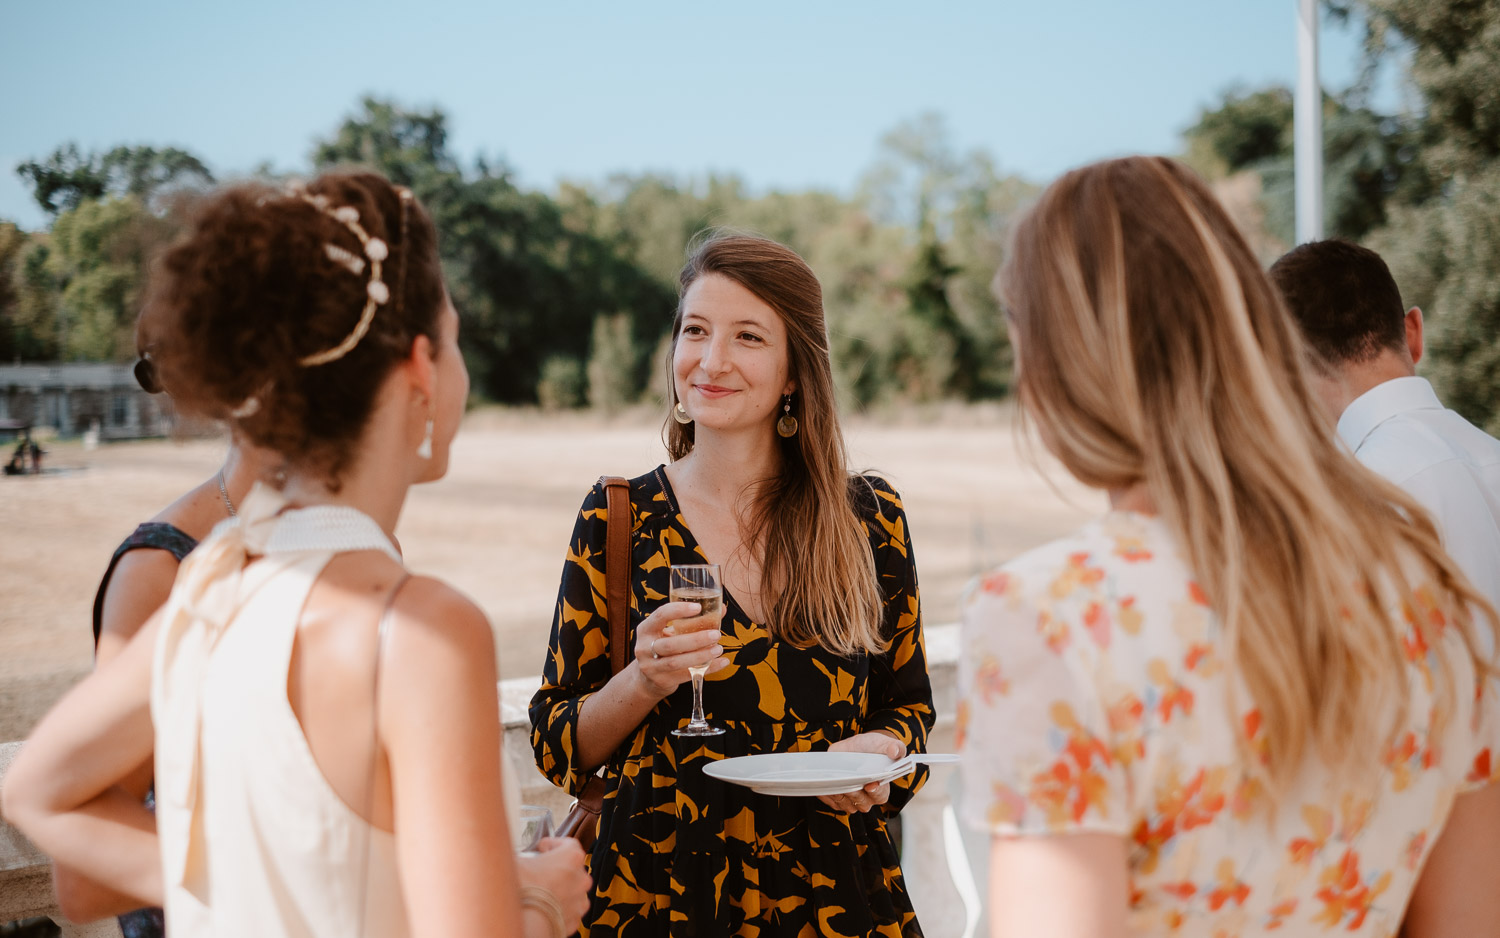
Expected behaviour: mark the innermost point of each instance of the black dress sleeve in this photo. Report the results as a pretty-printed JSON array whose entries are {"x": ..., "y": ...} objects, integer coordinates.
[
  {"x": 900, "y": 701},
  {"x": 577, "y": 664}
]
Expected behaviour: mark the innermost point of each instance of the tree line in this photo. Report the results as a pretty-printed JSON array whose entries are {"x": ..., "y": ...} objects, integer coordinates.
[{"x": 567, "y": 296}]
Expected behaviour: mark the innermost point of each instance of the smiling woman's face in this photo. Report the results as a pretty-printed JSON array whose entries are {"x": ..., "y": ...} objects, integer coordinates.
[{"x": 730, "y": 365}]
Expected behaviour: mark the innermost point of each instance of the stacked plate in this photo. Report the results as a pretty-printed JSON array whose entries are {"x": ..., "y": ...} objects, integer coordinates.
[{"x": 808, "y": 774}]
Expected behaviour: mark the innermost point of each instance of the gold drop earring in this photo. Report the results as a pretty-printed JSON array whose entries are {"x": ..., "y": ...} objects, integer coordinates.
[
  {"x": 786, "y": 427},
  {"x": 680, "y": 414}
]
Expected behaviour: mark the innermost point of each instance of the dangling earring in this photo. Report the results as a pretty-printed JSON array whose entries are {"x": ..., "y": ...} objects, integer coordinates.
[
  {"x": 680, "y": 414},
  {"x": 786, "y": 427},
  {"x": 424, "y": 448}
]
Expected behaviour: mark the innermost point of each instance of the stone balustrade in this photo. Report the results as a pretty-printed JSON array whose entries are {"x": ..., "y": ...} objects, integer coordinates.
[{"x": 934, "y": 860}]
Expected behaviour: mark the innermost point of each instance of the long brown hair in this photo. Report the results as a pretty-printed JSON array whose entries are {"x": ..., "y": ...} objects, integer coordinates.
[
  {"x": 817, "y": 563},
  {"x": 1153, "y": 349}
]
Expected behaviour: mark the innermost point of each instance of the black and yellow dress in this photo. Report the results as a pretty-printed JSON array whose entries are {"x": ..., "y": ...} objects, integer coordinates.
[{"x": 682, "y": 854}]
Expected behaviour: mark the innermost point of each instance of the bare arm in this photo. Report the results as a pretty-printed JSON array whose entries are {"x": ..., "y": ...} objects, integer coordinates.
[
  {"x": 1062, "y": 886},
  {"x": 441, "y": 731},
  {"x": 1457, "y": 894},
  {"x": 63, "y": 789},
  {"x": 141, "y": 582}
]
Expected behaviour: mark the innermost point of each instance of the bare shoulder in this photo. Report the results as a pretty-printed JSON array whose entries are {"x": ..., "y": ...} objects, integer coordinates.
[
  {"x": 196, "y": 512},
  {"x": 143, "y": 573},
  {"x": 441, "y": 612},
  {"x": 140, "y": 584}
]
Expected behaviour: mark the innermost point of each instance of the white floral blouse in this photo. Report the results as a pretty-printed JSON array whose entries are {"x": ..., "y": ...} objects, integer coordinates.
[{"x": 1094, "y": 696}]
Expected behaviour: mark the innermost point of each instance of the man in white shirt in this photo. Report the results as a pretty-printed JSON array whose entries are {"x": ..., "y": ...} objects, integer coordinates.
[{"x": 1368, "y": 345}]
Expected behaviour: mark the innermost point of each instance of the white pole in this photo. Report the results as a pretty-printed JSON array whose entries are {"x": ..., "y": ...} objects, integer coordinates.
[{"x": 1308, "y": 126}]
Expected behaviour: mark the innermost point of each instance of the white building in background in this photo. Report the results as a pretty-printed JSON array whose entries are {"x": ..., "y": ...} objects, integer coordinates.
[{"x": 71, "y": 397}]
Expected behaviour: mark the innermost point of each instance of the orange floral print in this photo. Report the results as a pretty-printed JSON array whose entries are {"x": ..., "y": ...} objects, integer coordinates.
[
  {"x": 1230, "y": 887},
  {"x": 1320, "y": 824},
  {"x": 1416, "y": 847},
  {"x": 988, "y": 680},
  {"x": 1075, "y": 783},
  {"x": 1481, "y": 772},
  {"x": 998, "y": 583},
  {"x": 1346, "y": 895},
  {"x": 1131, "y": 549},
  {"x": 1280, "y": 912},
  {"x": 1173, "y": 694},
  {"x": 1096, "y": 620},
  {"x": 1055, "y": 631},
  {"x": 1109, "y": 707},
  {"x": 1075, "y": 575}
]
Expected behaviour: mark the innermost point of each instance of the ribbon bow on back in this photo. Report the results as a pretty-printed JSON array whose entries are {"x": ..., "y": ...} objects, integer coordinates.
[{"x": 212, "y": 585}]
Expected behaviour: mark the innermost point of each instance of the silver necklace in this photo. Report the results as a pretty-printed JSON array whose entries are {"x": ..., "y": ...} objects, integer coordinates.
[{"x": 224, "y": 492}]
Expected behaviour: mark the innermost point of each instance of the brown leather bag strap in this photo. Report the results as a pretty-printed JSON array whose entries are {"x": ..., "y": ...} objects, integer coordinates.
[{"x": 617, "y": 569}]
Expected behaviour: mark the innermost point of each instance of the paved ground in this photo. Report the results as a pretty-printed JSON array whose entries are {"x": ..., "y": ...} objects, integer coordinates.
[{"x": 497, "y": 526}]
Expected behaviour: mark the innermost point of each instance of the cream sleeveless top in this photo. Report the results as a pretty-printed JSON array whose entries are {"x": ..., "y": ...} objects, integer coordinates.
[{"x": 255, "y": 842}]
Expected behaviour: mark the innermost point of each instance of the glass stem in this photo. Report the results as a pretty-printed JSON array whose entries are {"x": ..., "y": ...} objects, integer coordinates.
[{"x": 698, "y": 719}]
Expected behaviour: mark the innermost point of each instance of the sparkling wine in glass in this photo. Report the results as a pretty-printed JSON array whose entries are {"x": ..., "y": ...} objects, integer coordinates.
[{"x": 697, "y": 583}]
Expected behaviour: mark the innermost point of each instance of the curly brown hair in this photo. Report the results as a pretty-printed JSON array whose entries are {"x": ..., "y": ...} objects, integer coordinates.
[{"x": 250, "y": 290}]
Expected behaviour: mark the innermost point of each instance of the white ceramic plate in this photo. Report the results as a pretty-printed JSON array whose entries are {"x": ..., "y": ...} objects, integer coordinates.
[{"x": 804, "y": 774}]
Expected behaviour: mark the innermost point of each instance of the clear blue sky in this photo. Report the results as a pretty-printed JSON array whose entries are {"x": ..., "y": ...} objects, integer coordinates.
[{"x": 786, "y": 94}]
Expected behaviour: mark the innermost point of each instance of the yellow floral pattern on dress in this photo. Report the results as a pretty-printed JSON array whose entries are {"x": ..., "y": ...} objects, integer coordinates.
[
  {"x": 1095, "y": 695},
  {"x": 682, "y": 854}
]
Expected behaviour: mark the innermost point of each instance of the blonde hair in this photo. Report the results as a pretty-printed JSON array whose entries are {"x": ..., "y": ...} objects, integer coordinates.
[
  {"x": 1153, "y": 349},
  {"x": 817, "y": 562}
]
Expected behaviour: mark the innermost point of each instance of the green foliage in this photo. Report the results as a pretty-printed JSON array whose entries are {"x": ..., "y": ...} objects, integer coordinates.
[
  {"x": 1243, "y": 130},
  {"x": 66, "y": 179},
  {"x": 1369, "y": 160},
  {"x": 1443, "y": 242},
  {"x": 97, "y": 255},
  {"x": 526, "y": 284},
  {"x": 614, "y": 364},
  {"x": 562, "y": 383},
  {"x": 1463, "y": 352},
  {"x": 567, "y": 297},
  {"x": 1422, "y": 189}
]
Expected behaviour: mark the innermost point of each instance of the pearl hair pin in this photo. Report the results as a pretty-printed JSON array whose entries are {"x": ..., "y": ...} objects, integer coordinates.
[{"x": 376, "y": 292}]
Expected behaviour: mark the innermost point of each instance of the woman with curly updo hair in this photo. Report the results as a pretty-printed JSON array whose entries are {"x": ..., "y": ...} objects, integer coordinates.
[{"x": 324, "y": 724}]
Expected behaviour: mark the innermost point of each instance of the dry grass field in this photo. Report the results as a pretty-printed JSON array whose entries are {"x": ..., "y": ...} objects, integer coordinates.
[{"x": 497, "y": 526}]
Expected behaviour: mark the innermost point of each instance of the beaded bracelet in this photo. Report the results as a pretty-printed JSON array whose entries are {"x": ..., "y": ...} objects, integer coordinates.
[{"x": 539, "y": 899}]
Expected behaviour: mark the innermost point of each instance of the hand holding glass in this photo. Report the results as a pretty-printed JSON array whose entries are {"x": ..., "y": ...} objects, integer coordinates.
[{"x": 697, "y": 583}]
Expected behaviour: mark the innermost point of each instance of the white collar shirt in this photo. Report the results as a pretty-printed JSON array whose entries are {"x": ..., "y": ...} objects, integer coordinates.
[{"x": 1402, "y": 431}]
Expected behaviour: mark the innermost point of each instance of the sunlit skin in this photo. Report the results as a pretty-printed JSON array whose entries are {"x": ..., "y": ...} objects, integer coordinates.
[{"x": 437, "y": 765}]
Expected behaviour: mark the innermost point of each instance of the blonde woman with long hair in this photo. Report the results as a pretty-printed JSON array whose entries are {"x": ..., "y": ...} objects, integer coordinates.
[
  {"x": 1253, "y": 696},
  {"x": 819, "y": 644}
]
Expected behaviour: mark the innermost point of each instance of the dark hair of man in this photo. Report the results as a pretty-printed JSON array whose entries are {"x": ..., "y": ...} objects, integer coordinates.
[{"x": 1344, "y": 299}]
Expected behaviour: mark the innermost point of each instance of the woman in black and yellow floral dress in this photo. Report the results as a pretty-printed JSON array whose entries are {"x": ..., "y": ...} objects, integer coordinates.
[{"x": 820, "y": 644}]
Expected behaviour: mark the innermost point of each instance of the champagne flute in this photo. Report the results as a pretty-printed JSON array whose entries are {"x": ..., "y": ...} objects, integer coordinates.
[
  {"x": 697, "y": 583},
  {"x": 535, "y": 824}
]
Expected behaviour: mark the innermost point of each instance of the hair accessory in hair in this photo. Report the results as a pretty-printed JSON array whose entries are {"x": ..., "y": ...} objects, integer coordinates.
[
  {"x": 248, "y": 408},
  {"x": 376, "y": 291}
]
